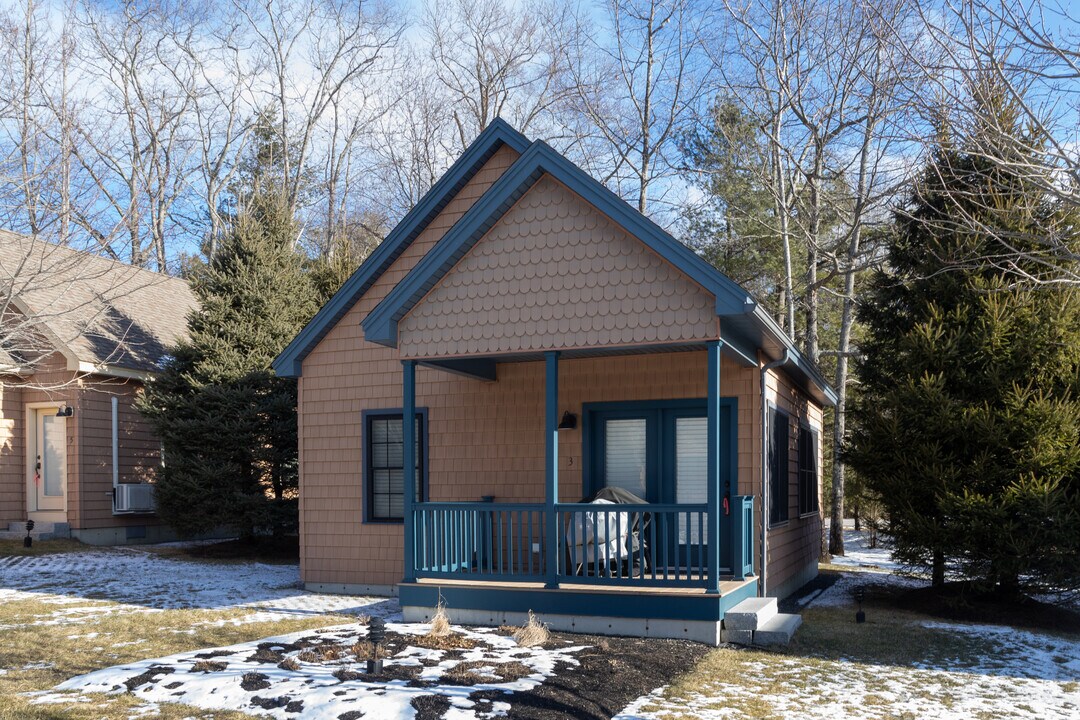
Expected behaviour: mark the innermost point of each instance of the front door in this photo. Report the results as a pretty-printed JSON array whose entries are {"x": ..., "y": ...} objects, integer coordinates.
[
  {"x": 658, "y": 450},
  {"x": 49, "y": 460}
]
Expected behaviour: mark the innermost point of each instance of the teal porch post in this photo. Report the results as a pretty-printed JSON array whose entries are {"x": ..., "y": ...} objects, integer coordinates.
[
  {"x": 408, "y": 442},
  {"x": 551, "y": 466},
  {"x": 712, "y": 531}
]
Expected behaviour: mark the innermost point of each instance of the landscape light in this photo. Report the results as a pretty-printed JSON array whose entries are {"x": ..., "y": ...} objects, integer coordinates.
[{"x": 376, "y": 636}]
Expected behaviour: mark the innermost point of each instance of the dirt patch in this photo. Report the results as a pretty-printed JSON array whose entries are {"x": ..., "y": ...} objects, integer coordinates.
[
  {"x": 209, "y": 655},
  {"x": 266, "y": 655},
  {"x": 252, "y": 681},
  {"x": 612, "y": 673},
  {"x": 430, "y": 707},
  {"x": 270, "y": 703},
  {"x": 149, "y": 676},
  {"x": 351, "y": 715}
]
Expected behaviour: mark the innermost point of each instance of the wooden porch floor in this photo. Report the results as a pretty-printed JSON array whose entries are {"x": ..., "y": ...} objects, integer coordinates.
[{"x": 726, "y": 587}]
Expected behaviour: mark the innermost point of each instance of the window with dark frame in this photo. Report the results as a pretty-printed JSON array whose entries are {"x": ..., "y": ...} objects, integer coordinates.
[
  {"x": 384, "y": 455},
  {"x": 808, "y": 471},
  {"x": 779, "y": 473}
]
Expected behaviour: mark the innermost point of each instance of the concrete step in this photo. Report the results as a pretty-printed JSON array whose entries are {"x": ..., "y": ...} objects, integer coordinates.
[
  {"x": 778, "y": 630},
  {"x": 750, "y": 614}
]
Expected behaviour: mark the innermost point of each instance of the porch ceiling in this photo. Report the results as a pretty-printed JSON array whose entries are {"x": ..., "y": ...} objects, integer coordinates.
[{"x": 483, "y": 367}]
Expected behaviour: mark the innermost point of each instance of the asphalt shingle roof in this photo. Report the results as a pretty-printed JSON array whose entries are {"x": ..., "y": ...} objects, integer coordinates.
[{"x": 100, "y": 311}]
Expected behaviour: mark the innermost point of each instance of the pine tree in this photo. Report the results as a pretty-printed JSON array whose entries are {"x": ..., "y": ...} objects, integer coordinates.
[
  {"x": 227, "y": 424},
  {"x": 967, "y": 424}
]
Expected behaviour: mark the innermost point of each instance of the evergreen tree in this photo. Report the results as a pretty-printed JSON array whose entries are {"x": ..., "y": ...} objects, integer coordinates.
[
  {"x": 227, "y": 424},
  {"x": 967, "y": 423}
]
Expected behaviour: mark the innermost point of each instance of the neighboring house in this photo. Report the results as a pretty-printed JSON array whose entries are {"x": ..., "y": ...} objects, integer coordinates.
[
  {"x": 549, "y": 342},
  {"x": 79, "y": 334}
]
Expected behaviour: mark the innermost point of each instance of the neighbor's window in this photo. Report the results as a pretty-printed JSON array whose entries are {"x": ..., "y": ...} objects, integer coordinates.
[
  {"x": 385, "y": 475},
  {"x": 808, "y": 471},
  {"x": 779, "y": 474}
]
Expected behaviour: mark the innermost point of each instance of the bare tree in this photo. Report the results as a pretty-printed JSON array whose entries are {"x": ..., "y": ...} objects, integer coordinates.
[
  {"x": 639, "y": 88},
  {"x": 316, "y": 54},
  {"x": 1029, "y": 50},
  {"x": 494, "y": 59}
]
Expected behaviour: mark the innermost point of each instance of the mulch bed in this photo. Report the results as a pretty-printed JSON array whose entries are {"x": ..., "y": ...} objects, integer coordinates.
[{"x": 613, "y": 673}]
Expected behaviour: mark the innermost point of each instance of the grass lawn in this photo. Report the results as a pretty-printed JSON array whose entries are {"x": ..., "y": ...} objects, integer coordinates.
[
  {"x": 14, "y": 548},
  {"x": 35, "y": 657},
  {"x": 899, "y": 664}
]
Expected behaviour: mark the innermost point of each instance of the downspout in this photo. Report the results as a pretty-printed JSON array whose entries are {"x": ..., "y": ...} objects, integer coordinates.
[
  {"x": 765, "y": 468},
  {"x": 115, "y": 449}
]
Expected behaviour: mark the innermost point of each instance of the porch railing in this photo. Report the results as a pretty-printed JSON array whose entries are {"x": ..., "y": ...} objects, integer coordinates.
[
  {"x": 485, "y": 541},
  {"x": 633, "y": 544},
  {"x": 743, "y": 557},
  {"x": 598, "y": 544}
]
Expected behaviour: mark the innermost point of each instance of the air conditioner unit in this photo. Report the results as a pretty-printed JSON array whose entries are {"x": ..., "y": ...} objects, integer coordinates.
[{"x": 134, "y": 498}]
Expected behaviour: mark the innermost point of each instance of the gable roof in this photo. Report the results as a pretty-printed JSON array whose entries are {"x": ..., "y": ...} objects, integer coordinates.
[
  {"x": 103, "y": 316},
  {"x": 495, "y": 135},
  {"x": 380, "y": 325},
  {"x": 745, "y": 328}
]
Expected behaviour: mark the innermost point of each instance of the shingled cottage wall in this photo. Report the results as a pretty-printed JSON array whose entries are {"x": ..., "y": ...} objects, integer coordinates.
[{"x": 484, "y": 438}]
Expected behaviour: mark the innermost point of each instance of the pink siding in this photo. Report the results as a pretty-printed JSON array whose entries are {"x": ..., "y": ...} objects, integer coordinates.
[{"x": 554, "y": 273}]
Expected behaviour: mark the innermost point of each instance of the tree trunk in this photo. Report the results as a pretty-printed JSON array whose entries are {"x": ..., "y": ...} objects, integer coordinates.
[{"x": 937, "y": 575}]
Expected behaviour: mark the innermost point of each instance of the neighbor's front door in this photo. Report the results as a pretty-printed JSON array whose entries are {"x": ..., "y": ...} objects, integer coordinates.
[{"x": 49, "y": 470}]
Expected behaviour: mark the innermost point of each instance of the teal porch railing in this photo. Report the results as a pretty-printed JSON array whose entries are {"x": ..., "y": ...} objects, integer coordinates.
[
  {"x": 743, "y": 533},
  {"x": 624, "y": 545}
]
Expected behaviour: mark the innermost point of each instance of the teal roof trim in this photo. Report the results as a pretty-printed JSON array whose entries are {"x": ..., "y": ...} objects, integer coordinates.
[
  {"x": 494, "y": 137},
  {"x": 380, "y": 325}
]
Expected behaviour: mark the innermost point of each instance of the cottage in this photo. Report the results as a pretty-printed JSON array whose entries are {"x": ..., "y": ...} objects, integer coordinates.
[
  {"x": 79, "y": 334},
  {"x": 524, "y": 340}
]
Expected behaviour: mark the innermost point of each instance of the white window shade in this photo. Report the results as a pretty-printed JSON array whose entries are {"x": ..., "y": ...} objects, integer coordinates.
[{"x": 625, "y": 453}]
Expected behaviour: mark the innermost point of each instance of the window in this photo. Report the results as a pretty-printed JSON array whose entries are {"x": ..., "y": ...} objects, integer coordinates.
[
  {"x": 808, "y": 471},
  {"x": 383, "y": 458},
  {"x": 779, "y": 474}
]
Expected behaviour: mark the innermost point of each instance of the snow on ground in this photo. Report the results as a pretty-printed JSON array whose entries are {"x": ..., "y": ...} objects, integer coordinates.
[
  {"x": 1023, "y": 674},
  {"x": 287, "y": 677},
  {"x": 858, "y": 553},
  {"x": 141, "y": 581}
]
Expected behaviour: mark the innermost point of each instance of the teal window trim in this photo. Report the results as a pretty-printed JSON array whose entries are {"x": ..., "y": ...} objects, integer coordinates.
[
  {"x": 809, "y": 442},
  {"x": 592, "y": 438},
  {"x": 779, "y": 466},
  {"x": 366, "y": 416}
]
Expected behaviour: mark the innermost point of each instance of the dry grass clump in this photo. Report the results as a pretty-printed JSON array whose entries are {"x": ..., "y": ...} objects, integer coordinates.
[
  {"x": 322, "y": 653},
  {"x": 363, "y": 620},
  {"x": 440, "y": 622},
  {"x": 289, "y": 663},
  {"x": 364, "y": 650},
  {"x": 532, "y": 633},
  {"x": 443, "y": 642},
  {"x": 209, "y": 666},
  {"x": 476, "y": 672}
]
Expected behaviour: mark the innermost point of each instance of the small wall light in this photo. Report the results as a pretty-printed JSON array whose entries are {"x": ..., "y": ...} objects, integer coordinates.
[
  {"x": 568, "y": 422},
  {"x": 65, "y": 411}
]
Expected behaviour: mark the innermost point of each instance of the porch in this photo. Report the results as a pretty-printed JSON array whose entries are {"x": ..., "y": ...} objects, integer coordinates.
[{"x": 674, "y": 567}]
